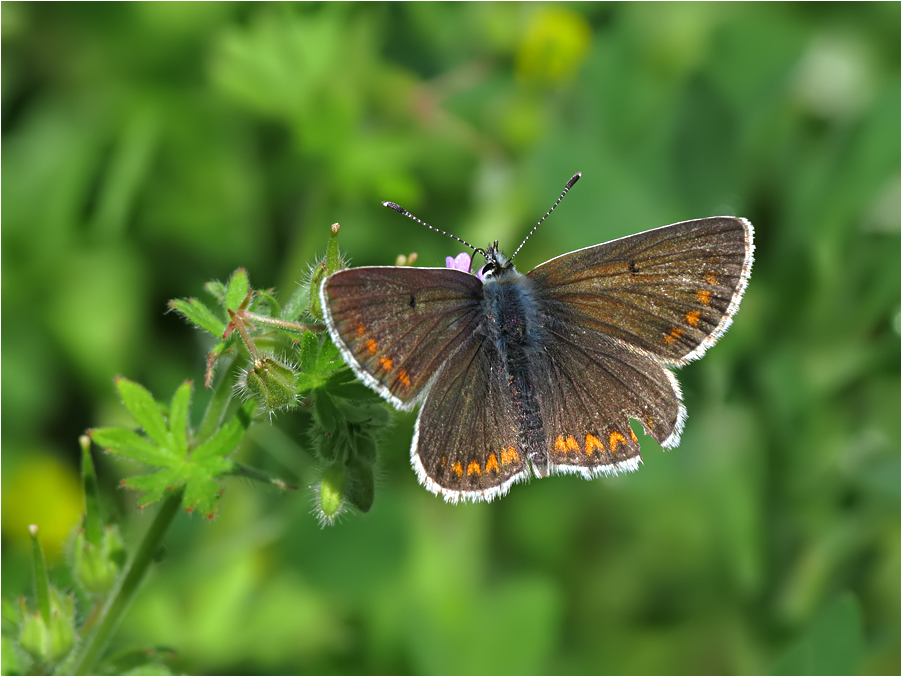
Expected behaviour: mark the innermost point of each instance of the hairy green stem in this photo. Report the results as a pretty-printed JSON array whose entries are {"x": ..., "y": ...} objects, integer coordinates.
[
  {"x": 219, "y": 403},
  {"x": 93, "y": 523},
  {"x": 122, "y": 595},
  {"x": 298, "y": 327},
  {"x": 260, "y": 476}
]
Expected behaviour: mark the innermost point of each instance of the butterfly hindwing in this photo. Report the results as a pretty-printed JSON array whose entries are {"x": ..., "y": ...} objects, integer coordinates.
[
  {"x": 670, "y": 292},
  {"x": 466, "y": 444},
  {"x": 593, "y": 386},
  {"x": 396, "y": 326}
]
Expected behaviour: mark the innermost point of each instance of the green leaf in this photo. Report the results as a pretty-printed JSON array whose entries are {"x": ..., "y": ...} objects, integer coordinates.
[
  {"x": 237, "y": 291},
  {"x": 360, "y": 491},
  {"x": 344, "y": 384},
  {"x": 129, "y": 443},
  {"x": 202, "y": 494},
  {"x": 223, "y": 441},
  {"x": 179, "y": 465},
  {"x": 329, "y": 358},
  {"x": 199, "y": 315},
  {"x": 298, "y": 302},
  {"x": 364, "y": 447},
  {"x": 216, "y": 289},
  {"x": 309, "y": 351},
  {"x": 154, "y": 486},
  {"x": 352, "y": 391},
  {"x": 372, "y": 415},
  {"x": 325, "y": 412},
  {"x": 144, "y": 408}
]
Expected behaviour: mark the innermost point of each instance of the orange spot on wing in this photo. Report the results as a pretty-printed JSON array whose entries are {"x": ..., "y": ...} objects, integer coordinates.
[
  {"x": 572, "y": 444},
  {"x": 704, "y": 295},
  {"x": 385, "y": 363},
  {"x": 633, "y": 435},
  {"x": 692, "y": 318},
  {"x": 492, "y": 464},
  {"x": 444, "y": 461},
  {"x": 711, "y": 278},
  {"x": 458, "y": 469},
  {"x": 674, "y": 334},
  {"x": 361, "y": 330},
  {"x": 474, "y": 469},
  {"x": 593, "y": 443},
  {"x": 559, "y": 444},
  {"x": 372, "y": 346},
  {"x": 509, "y": 455},
  {"x": 614, "y": 439},
  {"x": 404, "y": 378}
]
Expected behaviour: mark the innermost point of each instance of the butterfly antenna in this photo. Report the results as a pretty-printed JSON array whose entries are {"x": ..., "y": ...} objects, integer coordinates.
[
  {"x": 569, "y": 185},
  {"x": 398, "y": 208}
]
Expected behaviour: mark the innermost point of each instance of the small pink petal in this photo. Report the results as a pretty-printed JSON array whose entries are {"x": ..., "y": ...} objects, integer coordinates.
[{"x": 459, "y": 262}]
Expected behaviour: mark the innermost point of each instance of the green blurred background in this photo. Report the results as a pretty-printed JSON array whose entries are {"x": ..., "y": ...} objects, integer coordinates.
[{"x": 148, "y": 148}]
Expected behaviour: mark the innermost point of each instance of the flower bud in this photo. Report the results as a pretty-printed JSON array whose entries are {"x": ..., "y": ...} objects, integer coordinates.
[
  {"x": 35, "y": 636},
  {"x": 333, "y": 262},
  {"x": 96, "y": 567},
  {"x": 272, "y": 382},
  {"x": 61, "y": 635},
  {"x": 330, "y": 494},
  {"x": 49, "y": 641}
]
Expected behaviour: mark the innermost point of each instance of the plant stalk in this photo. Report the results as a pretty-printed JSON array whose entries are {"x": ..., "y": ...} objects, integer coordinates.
[{"x": 122, "y": 595}]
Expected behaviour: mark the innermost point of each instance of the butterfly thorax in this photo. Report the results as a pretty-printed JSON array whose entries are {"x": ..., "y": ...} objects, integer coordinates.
[{"x": 511, "y": 309}]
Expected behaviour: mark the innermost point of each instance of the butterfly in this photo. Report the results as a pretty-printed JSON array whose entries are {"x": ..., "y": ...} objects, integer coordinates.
[{"x": 523, "y": 376}]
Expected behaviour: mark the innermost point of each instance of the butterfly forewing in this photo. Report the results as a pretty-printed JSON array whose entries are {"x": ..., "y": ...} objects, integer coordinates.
[
  {"x": 397, "y": 326},
  {"x": 466, "y": 445},
  {"x": 670, "y": 292}
]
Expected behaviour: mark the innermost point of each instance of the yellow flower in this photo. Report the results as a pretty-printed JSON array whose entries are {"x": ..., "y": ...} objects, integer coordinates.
[{"x": 554, "y": 46}]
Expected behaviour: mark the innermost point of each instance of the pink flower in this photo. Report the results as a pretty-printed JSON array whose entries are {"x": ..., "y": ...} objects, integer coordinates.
[{"x": 461, "y": 262}]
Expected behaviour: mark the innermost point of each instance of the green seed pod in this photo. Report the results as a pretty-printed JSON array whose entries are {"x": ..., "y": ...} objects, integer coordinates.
[
  {"x": 49, "y": 641},
  {"x": 62, "y": 636},
  {"x": 330, "y": 494},
  {"x": 332, "y": 263},
  {"x": 272, "y": 382},
  {"x": 96, "y": 567},
  {"x": 34, "y": 636}
]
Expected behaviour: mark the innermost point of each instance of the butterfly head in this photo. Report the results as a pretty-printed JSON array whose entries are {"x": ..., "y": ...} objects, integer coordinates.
[{"x": 496, "y": 263}]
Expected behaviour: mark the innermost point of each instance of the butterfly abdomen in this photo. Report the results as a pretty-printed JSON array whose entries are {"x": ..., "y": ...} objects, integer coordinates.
[{"x": 513, "y": 323}]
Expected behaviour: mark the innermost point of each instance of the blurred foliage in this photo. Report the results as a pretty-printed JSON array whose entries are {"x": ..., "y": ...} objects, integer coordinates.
[{"x": 150, "y": 147}]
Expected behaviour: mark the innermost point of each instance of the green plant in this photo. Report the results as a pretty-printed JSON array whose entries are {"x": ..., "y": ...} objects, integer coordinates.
[{"x": 269, "y": 359}]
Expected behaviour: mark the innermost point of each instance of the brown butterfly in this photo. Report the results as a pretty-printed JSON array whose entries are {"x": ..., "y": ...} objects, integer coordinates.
[{"x": 537, "y": 374}]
